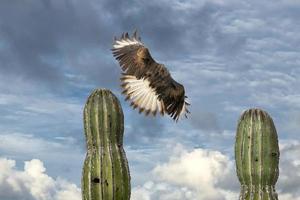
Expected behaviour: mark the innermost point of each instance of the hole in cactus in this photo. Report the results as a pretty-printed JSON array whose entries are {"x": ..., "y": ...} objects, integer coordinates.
[
  {"x": 274, "y": 154},
  {"x": 96, "y": 180},
  {"x": 109, "y": 118},
  {"x": 256, "y": 159}
]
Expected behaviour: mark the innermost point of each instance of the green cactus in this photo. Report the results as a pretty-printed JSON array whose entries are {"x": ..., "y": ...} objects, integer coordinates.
[
  {"x": 257, "y": 156},
  {"x": 105, "y": 173}
]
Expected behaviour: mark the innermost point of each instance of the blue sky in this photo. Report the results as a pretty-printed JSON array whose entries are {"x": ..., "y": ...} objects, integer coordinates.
[{"x": 230, "y": 55}]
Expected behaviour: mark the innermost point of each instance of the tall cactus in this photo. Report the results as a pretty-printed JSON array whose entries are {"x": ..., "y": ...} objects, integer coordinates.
[
  {"x": 257, "y": 156},
  {"x": 105, "y": 173}
]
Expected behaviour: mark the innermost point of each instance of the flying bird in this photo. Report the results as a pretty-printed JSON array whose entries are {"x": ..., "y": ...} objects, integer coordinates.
[{"x": 146, "y": 83}]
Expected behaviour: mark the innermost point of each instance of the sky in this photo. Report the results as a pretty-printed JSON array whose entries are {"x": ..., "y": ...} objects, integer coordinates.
[{"x": 230, "y": 55}]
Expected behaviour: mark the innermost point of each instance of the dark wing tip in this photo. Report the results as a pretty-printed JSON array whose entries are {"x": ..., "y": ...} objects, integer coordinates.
[
  {"x": 154, "y": 113},
  {"x": 141, "y": 110},
  {"x": 126, "y": 35},
  {"x": 127, "y": 98},
  {"x": 147, "y": 112},
  {"x": 136, "y": 36}
]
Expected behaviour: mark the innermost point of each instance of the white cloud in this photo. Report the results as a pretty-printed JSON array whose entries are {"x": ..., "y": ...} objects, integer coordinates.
[
  {"x": 161, "y": 191},
  {"x": 200, "y": 170},
  {"x": 32, "y": 183},
  {"x": 288, "y": 197},
  {"x": 189, "y": 175},
  {"x": 245, "y": 56},
  {"x": 210, "y": 175},
  {"x": 289, "y": 172},
  {"x": 62, "y": 154}
]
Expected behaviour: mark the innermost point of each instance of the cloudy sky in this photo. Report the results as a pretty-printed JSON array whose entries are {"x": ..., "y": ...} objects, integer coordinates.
[{"x": 231, "y": 55}]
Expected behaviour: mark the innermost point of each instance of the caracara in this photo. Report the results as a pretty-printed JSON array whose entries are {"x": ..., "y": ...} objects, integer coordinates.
[{"x": 146, "y": 83}]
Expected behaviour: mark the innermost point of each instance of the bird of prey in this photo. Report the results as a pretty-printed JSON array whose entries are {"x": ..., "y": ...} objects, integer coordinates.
[{"x": 146, "y": 83}]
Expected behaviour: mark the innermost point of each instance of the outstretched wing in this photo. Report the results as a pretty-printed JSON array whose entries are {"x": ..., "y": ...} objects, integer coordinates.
[
  {"x": 175, "y": 101},
  {"x": 142, "y": 95},
  {"x": 146, "y": 83},
  {"x": 156, "y": 92},
  {"x": 134, "y": 58},
  {"x": 173, "y": 95}
]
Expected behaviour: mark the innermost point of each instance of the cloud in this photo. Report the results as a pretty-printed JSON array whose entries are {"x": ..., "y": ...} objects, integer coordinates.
[
  {"x": 200, "y": 170},
  {"x": 189, "y": 174},
  {"x": 289, "y": 172},
  {"x": 291, "y": 125},
  {"x": 32, "y": 183},
  {"x": 36, "y": 113},
  {"x": 229, "y": 55},
  {"x": 199, "y": 173},
  {"x": 61, "y": 154},
  {"x": 141, "y": 130},
  {"x": 204, "y": 120},
  {"x": 161, "y": 191},
  {"x": 59, "y": 38}
]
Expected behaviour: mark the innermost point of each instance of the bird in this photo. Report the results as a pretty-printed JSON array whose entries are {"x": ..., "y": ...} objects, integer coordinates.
[{"x": 146, "y": 83}]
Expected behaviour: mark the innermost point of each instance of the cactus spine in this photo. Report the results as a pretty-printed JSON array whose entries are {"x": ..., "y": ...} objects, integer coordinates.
[
  {"x": 105, "y": 173},
  {"x": 257, "y": 156}
]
